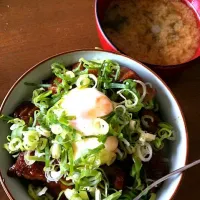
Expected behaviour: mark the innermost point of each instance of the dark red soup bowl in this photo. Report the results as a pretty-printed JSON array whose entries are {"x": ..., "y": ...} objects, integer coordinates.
[{"x": 164, "y": 71}]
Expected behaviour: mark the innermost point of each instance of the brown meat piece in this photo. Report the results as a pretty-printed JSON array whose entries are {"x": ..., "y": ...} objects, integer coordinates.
[
  {"x": 56, "y": 188},
  {"x": 53, "y": 86},
  {"x": 118, "y": 173},
  {"x": 30, "y": 172},
  {"x": 35, "y": 172},
  {"x": 75, "y": 65},
  {"x": 25, "y": 110},
  {"x": 90, "y": 71},
  {"x": 126, "y": 73},
  {"x": 153, "y": 126},
  {"x": 119, "y": 180},
  {"x": 115, "y": 175},
  {"x": 151, "y": 93},
  {"x": 158, "y": 166}
]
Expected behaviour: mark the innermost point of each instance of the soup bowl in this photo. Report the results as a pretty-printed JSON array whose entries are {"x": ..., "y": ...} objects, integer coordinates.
[
  {"x": 169, "y": 107},
  {"x": 107, "y": 44}
]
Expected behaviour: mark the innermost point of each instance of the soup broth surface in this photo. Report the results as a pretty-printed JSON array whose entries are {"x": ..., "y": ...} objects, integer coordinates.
[{"x": 161, "y": 32}]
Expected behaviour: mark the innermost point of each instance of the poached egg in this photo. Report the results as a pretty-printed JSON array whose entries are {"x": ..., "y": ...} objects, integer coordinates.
[{"x": 88, "y": 105}]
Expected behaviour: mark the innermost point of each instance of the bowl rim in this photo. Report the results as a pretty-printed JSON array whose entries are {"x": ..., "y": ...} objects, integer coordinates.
[
  {"x": 98, "y": 22},
  {"x": 155, "y": 66},
  {"x": 2, "y": 180}
]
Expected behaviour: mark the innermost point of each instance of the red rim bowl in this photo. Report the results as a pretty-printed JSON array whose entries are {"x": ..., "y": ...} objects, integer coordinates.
[{"x": 164, "y": 71}]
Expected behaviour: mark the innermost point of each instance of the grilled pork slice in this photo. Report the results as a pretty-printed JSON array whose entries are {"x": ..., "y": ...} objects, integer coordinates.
[
  {"x": 35, "y": 172},
  {"x": 30, "y": 172},
  {"x": 158, "y": 166},
  {"x": 127, "y": 73},
  {"x": 90, "y": 71},
  {"x": 25, "y": 110},
  {"x": 152, "y": 124},
  {"x": 118, "y": 173},
  {"x": 115, "y": 175}
]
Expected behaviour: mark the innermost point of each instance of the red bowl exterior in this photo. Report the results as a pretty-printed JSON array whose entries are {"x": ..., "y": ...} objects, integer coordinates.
[
  {"x": 163, "y": 71},
  {"x": 100, "y": 8}
]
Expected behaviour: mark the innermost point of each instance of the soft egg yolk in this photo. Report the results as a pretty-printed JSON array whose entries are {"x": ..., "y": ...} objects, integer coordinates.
[{"x": 86, "y": 105}]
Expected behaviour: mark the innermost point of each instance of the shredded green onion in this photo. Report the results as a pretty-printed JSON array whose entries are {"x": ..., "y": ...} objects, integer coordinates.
[{"x": 50, "y": 136}]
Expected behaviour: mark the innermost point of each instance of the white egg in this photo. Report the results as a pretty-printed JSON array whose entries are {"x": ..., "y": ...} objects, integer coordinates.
[
  {"x": 85, "y": 126},
  {"x": 106, "y": 156},
  {"x": 90, "y": 127},
  {"x": 81, "y": 147},
  {"x": 87, "y": 103}
]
